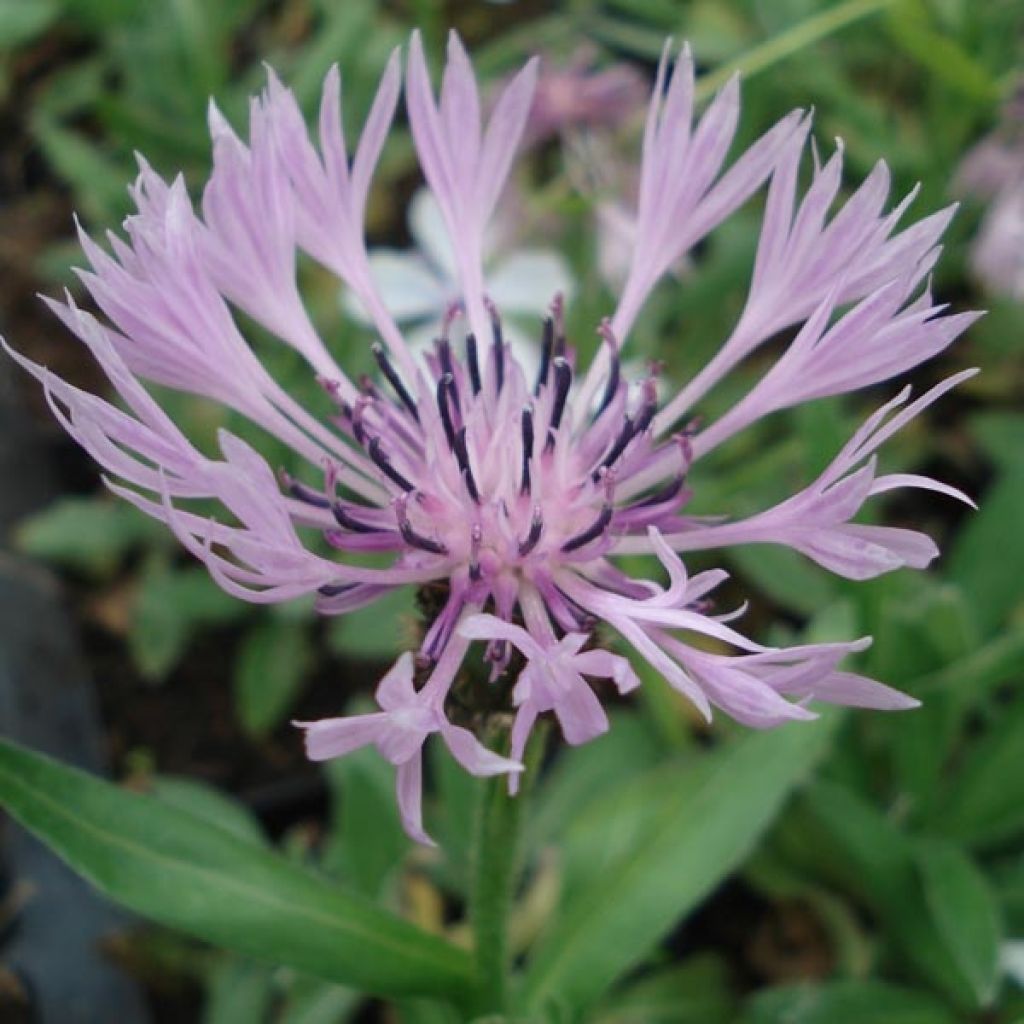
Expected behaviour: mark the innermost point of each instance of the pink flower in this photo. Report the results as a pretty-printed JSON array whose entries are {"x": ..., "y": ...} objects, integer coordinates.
[{"x": 514, "y": 493}]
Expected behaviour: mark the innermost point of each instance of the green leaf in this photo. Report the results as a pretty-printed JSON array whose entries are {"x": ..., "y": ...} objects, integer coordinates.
[
  {"x": 984, "y": 805},
  {"x": 965, "y": 913},
  {"x": 989, "y": 551},
  {"x": 204, "y": 801},
  {"x": 169, "y": 606},
  {"x": 704, "y": 825},
  {"x": 697, "y": 992},
  {"x": 87, "y": 534},
  {"x": 239, "y": 992},
  {"x": 367, "y": 841},
  {"x": 311, "y": 1001},
  {"x": 21, "y": 21},
  {"x": 845, "y": 1002},
  {"x": 377, "y": 632},
  {"x": 269, "y": 670},
  {"x": 187, "y": 874}
]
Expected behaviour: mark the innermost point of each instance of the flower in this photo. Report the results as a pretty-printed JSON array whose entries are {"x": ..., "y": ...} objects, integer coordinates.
[{"x": 514, "y": 494}]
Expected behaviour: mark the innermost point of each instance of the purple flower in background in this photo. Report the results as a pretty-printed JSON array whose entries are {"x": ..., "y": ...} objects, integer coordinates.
[{"x": 512, "y": 495}]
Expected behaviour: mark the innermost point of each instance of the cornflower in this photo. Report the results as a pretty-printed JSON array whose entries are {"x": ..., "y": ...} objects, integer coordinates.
[{"x": 513, "y": 496}]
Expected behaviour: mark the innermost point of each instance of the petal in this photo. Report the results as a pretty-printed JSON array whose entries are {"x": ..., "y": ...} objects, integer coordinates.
[
  {"x": 473, "y": 755},
  {"x": 396, "y": 688},
  {"x": 409, "y": 787},
  {"x": 336, "y": 737}
]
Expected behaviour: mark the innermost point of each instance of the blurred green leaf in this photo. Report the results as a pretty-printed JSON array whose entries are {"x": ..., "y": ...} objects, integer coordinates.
[
  {"x": 238, "y": 992},
  {"x": 269, "y": 670},
  {"x": 378, "y": 631},
  {"x": 789, "y": 579},
  {"x": 88, "y": 534},
  {"x": 169, "y": 606},
  {"x": 311, "y": 1001},
  {"x": 986, "y": 556},
  {"x": 1001, "y": 436},
  {"x": 702, "y": 829},
  {"x": 188, "y": 874},
  {"x": 984, "y": 803},
  {"x": 695, "y": 992},
  {"x": 845, "y": 1002},
  {"x": 366, "y": 842},
  {"x": 22, "y": 20},
  {"x": 204, "y": 801},
  {"x": 964, "y": 911}
]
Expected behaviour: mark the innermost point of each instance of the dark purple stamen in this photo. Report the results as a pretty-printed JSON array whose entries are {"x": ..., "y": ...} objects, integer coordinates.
[
  {"x": 563, "y": 379},
  {"x": 383, "y": 463},
  {"x": 444, "y": 353},
  {"x": 628, "y": 432},
  {"x": 446, "y": 387},
  {"x": 666, "y": 493},
  {"x": 536, "y": 529},
  {"x": 527, "y": 427},
  {"x": 461, "y": 450},
  {"x": 417, "y": 540},
  {"x": 592, "y": 532},
  {"x": 499, "y": 351},
  {"x": 394, "y": 380},
  {"x": 334, "y": 589},
  {"x": 344, "y": 518},
  {"x": 547, "y": 342},
  {"x": 615, "y": 371},
  {"x": 302, "y": 492},
  {"x": 473, "y": 363}
]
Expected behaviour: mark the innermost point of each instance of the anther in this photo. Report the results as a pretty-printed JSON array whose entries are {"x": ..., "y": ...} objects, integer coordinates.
[
  {"x": 614, "y": 373},
  {"x": 343, "y": 518},
  {"x": 499, "y": 346},
  {"x": 334, "y": 589},
  {"x": 461, "y": 450},
  {"x": 301, "y": 491},
  {"x": 410, "y": 536},
  {"x": 473, "y": 363},
  {"x": 394, "y": 380},
  {"x": 476, "y": 537},
  {"x": 592, "y": 532},
  {"x": 446, "y": 387},
  {"x": 546, "y": 345},
  {"x": 628, "y": 432},
  {"x": 563, "y": 379},
  {"x": 663, "y": 494},
  {"x": 527, "y": 429},
  {"x": 536, "y": 529},
  {"x": 383, "y": 463}
]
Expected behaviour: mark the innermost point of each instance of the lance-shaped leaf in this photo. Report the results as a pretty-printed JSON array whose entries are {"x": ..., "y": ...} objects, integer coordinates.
[{"x": 187, "y": 873}]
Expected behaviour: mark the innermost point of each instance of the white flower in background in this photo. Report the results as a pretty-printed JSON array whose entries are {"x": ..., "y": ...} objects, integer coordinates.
[{"x": 419, "y": 284}]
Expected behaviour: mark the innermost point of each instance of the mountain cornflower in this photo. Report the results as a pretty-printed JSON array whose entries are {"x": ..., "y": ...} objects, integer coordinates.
[{"x": 511, "y": 496}]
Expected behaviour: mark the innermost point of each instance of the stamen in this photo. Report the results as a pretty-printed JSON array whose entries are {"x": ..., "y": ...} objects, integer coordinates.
[
  {"x": 446, "y": 387},
  {"x": 665, "y": 493},
  {"x": 614, "y": 373},
  {"x": 410, "y": 536},
  {"x": 461, "y": 450},
  {"x": 592, "y": 532},
  {"x": 499, "y": 347},
  {"x": 563, "y": 379},
  {"x": 546, "y": 344},
  {"x": 476, "y": 537},
  {"x": 473, "y": 363},
  {"x": 444, "y": 355},
  {"x": 527, "y": 428},
  {"x": 394, "y": 380},
  {"x": 343, "y": 518},
  {"x": 334, "y": 589},
  {"x": 536, "y": 529},
  {"x": 383, "y": 463},
  {"x": 626, "y": 435},
  {"x": 301, "y": 491}
]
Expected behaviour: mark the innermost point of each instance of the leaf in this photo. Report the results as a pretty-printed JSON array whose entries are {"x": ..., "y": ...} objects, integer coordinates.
[
  {"x": 845, "y": 1002},
  {"x": 169, "y": 606},
  {"x": 204, "y": 801},
  {"x": 989, "y": 551},
  {"x": 87, "y": 534},
  {"x": 21, "y": 22},
  {"x": 984, "y": 805},
  {"x": 377, "y": 632},
  {"x": 239, "y": 993},
  {"x": 696, "y": 992},
  {"x": 703, "y": 828},
  {"x": 1000, "y": 434},
  {"x": 367, "y": 841},
  {"x": 965, "y": 913},
  {"x": 185, "y": 873},
  {"x": 269, "y": 670},
  {"x": 311, "y": 1001}
]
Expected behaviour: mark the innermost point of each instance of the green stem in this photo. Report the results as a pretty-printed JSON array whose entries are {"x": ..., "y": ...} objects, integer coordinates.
[
  {"x": 791, "y": 41},
  {"x": 495, "y": 866}
]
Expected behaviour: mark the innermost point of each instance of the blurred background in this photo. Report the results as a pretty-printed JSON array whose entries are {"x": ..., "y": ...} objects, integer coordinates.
[{"x": 892, "y": 889}]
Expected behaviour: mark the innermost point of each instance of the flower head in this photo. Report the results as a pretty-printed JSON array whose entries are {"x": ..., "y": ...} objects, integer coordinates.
[{"x": 512, "y": 492}]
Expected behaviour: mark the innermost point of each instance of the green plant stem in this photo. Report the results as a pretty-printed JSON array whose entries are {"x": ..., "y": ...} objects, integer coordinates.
[
  {"x": 495, "y": 869},
  {"x": 791, "y": 41}
]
